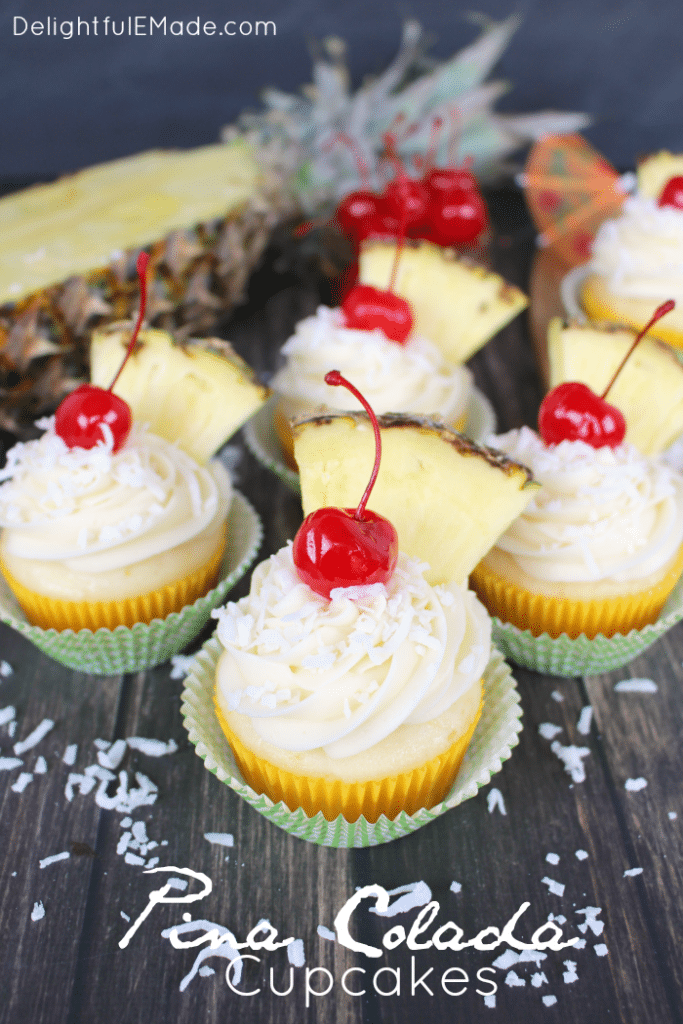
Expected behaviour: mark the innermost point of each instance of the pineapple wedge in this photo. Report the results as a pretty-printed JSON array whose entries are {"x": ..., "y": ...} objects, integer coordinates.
[
  {"x": 449, "y": 498},
  {"x": 648, "y": 391},
  {"x": 68, "y": 251},
  {"x": 655, "y": 171},
  {"x": 456, "y": 303},
  {"x": 197, "y": 394}
]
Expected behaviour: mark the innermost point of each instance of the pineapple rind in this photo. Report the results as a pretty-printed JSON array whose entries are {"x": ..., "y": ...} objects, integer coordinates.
[
  {"x": 196, "y": 395},
  {"x": 655, "y": 171},
  {"x": 456, "y": 303},
  {"x": 449, "y": 498},
  {"x": 648, "y": 391}
]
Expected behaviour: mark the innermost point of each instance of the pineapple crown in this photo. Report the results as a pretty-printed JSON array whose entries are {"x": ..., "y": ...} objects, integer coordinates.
[{"x": 298, "y": 131}]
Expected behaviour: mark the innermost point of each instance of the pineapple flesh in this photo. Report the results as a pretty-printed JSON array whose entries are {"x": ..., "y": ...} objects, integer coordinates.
[
  {"x": 457, "y": 304},
  {"x": 448, "y": 498},
  {"x": 196, "y": 394},
  {"x": 656, "y": 170},
  {"x": 648, "y": 391},
  {"x": 68, "y": 252}
]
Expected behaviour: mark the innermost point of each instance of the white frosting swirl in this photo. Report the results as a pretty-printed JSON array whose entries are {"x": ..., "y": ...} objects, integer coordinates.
[
  {"x": 345, "y": 673},
  {"x": 413, "y": 377},
  {"x": 95, "y": 510},
  {"x": 601, "y": 513},
  {"x": 640, "y": 253}
]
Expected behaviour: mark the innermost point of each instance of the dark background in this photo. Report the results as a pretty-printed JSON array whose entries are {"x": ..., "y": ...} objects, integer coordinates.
[{"x": 69, "y": 103}]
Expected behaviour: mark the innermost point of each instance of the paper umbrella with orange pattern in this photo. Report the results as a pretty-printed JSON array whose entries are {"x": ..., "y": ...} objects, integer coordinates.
[{"x": 570, "y": 189}]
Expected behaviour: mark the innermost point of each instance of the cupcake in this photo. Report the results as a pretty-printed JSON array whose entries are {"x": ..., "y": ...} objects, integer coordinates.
[
  {"x": 637, "y": 257},
  {"x": 350, "y": 679},
  {"x": 107, "y": 524},
  {"x": 599, "y": 548},
  {"x": 410, "y": 377},
  {"x": 360, "y": 704},
  {"x": 100, "y": 538}
]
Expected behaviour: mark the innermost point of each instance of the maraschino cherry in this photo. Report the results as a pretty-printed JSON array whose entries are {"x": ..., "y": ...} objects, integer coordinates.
[
  {"x": 573, "y": 412},
  {"x": 85, "y": 416},
  {"x": 672, "y": 193},
  {"x": 343, "y": 547},
  {"x": 367, "y": 308}
]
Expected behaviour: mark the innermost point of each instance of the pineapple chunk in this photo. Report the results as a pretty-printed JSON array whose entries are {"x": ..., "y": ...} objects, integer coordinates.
[
  {"x": 648, "y": 391},
  {"x": 456, "y": 304},
  {"x": 449, "y": 498},
  {"x": 196, "y": 395},
  {"x": 655, "y": 171}
]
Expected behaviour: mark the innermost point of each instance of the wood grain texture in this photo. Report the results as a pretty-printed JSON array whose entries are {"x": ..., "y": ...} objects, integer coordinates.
[{"x": 478, "y": 863}]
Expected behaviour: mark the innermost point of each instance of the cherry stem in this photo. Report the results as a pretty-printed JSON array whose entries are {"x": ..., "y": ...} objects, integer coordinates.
[
  {"x": 430, "y": 160},
  {"x": 141, "y": 267},
  {"x": 335, "y": 379},
  {"x": 361, "y": 163},
  {"x": 661, "y": 311},
  {"x": 456, "y": 132}
]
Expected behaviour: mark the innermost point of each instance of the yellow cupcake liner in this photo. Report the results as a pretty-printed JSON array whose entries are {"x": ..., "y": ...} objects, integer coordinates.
[
  {"x": 540, "y": 614},
  {"x": 424, "y": 786},
  {"x": 53, "y": 613}
]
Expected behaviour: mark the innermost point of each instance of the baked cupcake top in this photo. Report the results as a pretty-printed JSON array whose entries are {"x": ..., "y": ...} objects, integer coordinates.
[
  {"x": 345, "y": 673},
  {"x": 96, "y": 509},
  {"x": 640, "y": 253},
  {"x": 410, "y": 377},
  {"x": 601, "y": 513}
]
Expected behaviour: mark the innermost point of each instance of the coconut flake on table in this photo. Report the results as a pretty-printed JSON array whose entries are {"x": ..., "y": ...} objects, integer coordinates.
[
  {"x": 552, "y": 858},
  {"x": 180, "y": 665},
  {"x": 556, "y": 888},
  {"x": 513, "y": 980},
  {"x": 572, "y": 759},
  {"x": 556, "y": 695},
  {"x": 580, "y": 854},
  {"x": 591, "y": 915},
  {"x": 455, "y": 887},
  {"x": 34, "y": 737},
  {"x": 151, "y": 747},
  {"x": 585, "y": 718},
  {"x": 549, "y": 1000},
  {"x": 601, "y": 949},
  {"x": 5, "y": 669},
  {"x": 549, "y": 731},
  {"x": 570, "y": 974},
  {"x": 632, "y": 872},
  {"x": 38, "y": 912},
  {"x": 326, "y": 933},
  {"x": 22, "y": 782},
  {"x": 7, "y": 714},
  {"x": 70, "y": 754},
  {"x": 53, "y": 859},
  {"x": 7, "y": 764},
  {"x": 220, "y": 838},
  {"x": 40, "y": 767},
  {"x": 635, "y": 785},
  {"x": 113, "y": 756},
  {"x": 636, "y": 686},
  {"x": 494, "y": 801}
]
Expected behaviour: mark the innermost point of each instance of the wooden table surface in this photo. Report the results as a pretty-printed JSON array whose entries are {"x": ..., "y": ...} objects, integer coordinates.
[{"x": 533, "y": 836}]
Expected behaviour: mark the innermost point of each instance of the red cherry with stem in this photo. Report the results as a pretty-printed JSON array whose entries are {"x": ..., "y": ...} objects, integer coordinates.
[
  {"x": 89, "y": 414},
  {"x": 404, "y": 193},
  {"x": 672, "y": 193},
  {"x": 343, "y": 547},
  {"x": 573, "y": 412},
  {"x": 358, "y": 214},
  {"x": 456, "y": 219},
  {"x": 366, "y": 308},
  {"x": 444, "y": 182}
]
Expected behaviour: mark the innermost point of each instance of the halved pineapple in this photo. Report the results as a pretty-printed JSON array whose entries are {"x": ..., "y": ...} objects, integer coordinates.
[
  {"x": 196, "y": 394},
  {"x": 648, "y": 391},
  {"x": 68, "y": 251},
  {"x": 656, "y": 170},
  {"x": 456, "y": 303},
  {"x": 449, "y": 498}
]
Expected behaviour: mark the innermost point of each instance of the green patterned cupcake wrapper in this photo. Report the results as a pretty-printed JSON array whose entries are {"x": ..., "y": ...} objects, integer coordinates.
[
  {"x": 562, "y": 656},
  {"x": 262, "y": 441},
  {"x": 496, "y": 733},
  {"x": 110, "y": 652}
]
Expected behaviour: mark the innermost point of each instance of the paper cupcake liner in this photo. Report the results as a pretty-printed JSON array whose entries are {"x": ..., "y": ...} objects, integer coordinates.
[
  {"x": 562, "y": 656},
  {"x": 424, "y": 786},
  {"x": 264, "y": 444},
  {"x": 512, "y": 602},
  {"x": 110, "y": 652},
  {"x": 53, "y": 613},
  {"x": 496, "y": 733}
]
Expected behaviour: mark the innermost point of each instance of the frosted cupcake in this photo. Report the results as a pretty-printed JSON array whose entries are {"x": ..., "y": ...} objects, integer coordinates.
[
  {"x": 97, "y": 537},
  {"x": 637, "y": 257},
  {"x": 361, "y": 704},
  {"x": 598, "y": 549},
  {"x": 410, "y": 377}
]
